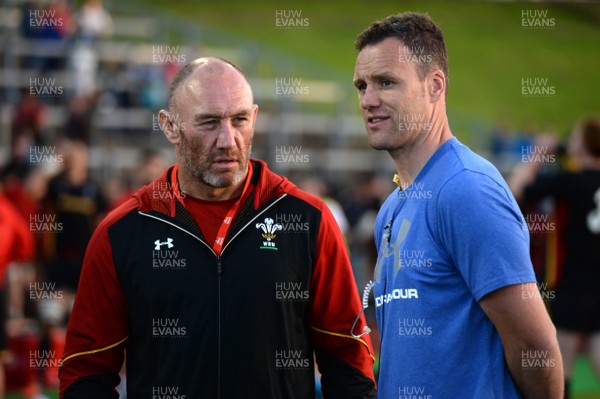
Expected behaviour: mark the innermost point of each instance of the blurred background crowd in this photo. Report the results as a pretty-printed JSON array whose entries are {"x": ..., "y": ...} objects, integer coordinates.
[{"x": 81, "y": 83}]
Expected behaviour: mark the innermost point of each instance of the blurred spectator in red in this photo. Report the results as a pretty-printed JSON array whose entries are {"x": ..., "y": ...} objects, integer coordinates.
[
  {"x": 576, "y": 305},
  {"x": 62, "y": 12},
  {"x": 54, "y": 20},
  {"x": 25, "y": 194},
  {"x": 17, "y": 245},
  {"x": 24, "y": 187}
]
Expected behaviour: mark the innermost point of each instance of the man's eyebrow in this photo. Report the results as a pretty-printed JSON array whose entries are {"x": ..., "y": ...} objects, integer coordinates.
[
  {"x": 214, "y": 115},
  {"x": 376, "y": 76},
  {"x": 358, "y": 81},
  {"x": 203, "y": 116},
  {"x": 380, "y": 75},
  {"x": 242, "y": 112}
]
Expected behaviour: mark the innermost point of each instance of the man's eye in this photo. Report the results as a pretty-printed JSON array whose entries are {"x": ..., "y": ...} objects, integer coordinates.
[
  {"x": 361, "y": 87},
  {"x": 386, "y": 83}
]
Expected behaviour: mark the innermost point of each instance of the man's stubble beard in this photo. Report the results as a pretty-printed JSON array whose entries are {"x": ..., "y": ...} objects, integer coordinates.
[
  {"x": 204, "y": 175},
  {"x": 396, "y": 145}
]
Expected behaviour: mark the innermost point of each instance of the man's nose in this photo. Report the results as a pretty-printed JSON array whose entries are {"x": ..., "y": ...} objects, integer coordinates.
[
  {"x": 226, "y": 138},
  {"x": 370, "y": 98}
]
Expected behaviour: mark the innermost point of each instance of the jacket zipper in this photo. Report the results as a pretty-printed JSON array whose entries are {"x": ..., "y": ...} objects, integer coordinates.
[{"x": 219, "y": 272}]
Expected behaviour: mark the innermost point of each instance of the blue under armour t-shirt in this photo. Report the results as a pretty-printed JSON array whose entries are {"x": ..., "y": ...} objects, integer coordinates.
[{"x": 453, "y": 236}]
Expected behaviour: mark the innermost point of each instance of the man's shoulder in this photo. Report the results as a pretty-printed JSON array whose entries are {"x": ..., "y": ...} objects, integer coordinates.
[
  {"x": 456, "y": 157},
  {"x": 310, "y": 199},
  {"x": 101, "y": 236},
  {"x": 473, "y": 161},
  {"x": 464, "y": 171},
  {"x": 118, "y": 213}
]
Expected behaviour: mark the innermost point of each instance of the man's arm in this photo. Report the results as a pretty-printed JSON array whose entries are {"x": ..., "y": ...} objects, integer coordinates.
[
  {"x": 97, "y": 329},
  {"x": 488, "y": 238},
  {"x": 529, "y": 339},
  {"x": 345, "y": 362}
]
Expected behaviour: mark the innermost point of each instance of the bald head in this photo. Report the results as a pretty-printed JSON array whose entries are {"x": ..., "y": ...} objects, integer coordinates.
[
  {"x": 205, "y": 67},
  {"x": 211, "y": 123}
]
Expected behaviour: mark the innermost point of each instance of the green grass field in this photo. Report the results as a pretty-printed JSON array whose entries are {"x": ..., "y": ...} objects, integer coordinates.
[
  {"x": 489, "y": 50},
  {"x": 585, "y": 384}
]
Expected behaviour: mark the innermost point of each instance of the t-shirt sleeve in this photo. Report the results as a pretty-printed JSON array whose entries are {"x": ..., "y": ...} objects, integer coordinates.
[{"x": 483, "y": 232}]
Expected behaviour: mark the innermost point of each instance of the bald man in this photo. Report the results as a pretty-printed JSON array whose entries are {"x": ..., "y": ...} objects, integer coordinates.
[{"x": 200, "y": 282}]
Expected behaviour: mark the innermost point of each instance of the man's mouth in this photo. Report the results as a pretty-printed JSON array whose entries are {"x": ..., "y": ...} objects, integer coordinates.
[
  {"x": 376, "y": 120},
  {"x": 225, "y": 162}
]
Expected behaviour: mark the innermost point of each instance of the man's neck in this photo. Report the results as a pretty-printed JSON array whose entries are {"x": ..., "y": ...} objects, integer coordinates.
[
  {"x": 192, "y": 186},
  {"x": 411, "y": 159}
]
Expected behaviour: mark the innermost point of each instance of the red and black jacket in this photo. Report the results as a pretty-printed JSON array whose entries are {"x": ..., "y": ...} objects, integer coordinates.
[{"x": 196, "y": 325}]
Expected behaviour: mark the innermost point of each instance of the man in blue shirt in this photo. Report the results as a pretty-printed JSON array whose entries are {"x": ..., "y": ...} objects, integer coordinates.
[{"x": 458, "y": 309}]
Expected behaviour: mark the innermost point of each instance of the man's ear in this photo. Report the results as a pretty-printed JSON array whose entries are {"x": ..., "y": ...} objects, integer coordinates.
[
  {"x": 437, "y": 85},
  {"x": 169, "y": 126},
  {"x": 254, "y": 113}
]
